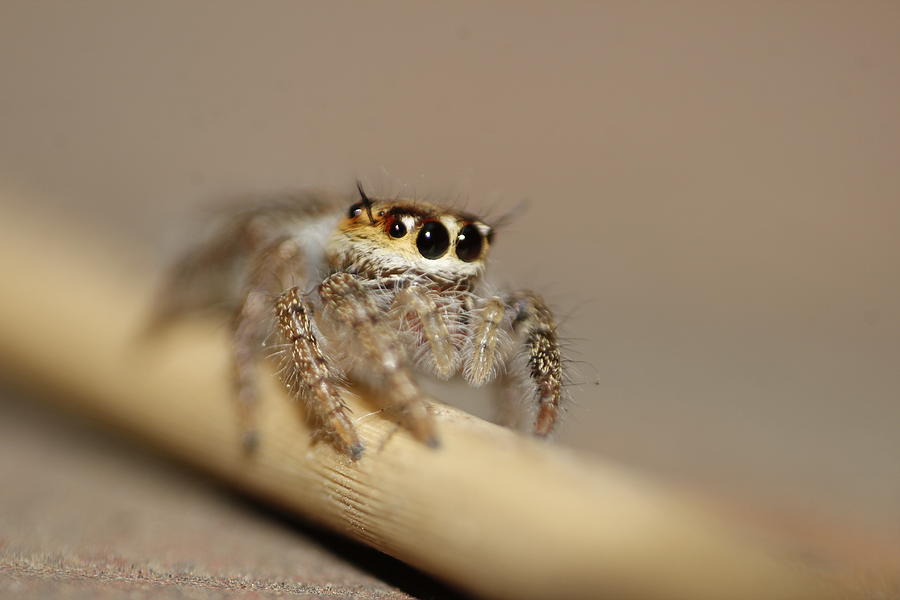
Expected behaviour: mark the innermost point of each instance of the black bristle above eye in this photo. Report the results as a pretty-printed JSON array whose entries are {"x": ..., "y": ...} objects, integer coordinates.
[
  {"x": 469, "y": 243},
  {"x": 433, "y": 240},
  {"x": 364, "y": 202}
]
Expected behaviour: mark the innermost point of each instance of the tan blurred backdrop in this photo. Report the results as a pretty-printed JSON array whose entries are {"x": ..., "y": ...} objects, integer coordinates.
[{"x": 714, "y": 191}]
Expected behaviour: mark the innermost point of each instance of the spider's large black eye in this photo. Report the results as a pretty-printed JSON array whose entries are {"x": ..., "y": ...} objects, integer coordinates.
[
  {"x": 355, "y": 210},
  {"x": 397, "y": 229},
  {"x": 433, "y": 240},
  {"x": 468, "y": 243}
]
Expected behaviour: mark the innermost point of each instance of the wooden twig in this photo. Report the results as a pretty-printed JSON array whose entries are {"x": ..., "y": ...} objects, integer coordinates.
[{"x": 496, "y": 513}]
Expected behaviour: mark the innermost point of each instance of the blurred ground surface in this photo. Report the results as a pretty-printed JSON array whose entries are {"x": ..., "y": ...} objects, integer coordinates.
[{"x": 84, "y": 514}]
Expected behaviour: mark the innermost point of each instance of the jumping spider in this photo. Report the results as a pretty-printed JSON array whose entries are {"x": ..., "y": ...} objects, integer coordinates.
[{"x": 366, "y": 293}]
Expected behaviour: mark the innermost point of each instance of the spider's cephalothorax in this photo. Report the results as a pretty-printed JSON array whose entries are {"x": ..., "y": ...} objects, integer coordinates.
[
  {"x": 408, "y": 240},
  {"x": 366, "y": 291}
]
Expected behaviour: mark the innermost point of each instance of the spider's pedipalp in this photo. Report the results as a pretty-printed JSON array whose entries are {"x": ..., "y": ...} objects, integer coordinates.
[
  {"x": 486, "y": 346},
  {"x": 384, "y": 360},
  {"x": 429, "y": 319}
]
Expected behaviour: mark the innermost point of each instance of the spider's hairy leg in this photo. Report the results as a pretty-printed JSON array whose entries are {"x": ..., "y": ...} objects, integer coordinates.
[
  {"x": 537, "y": 327},
  {"x": 485, "y": 347},
  {"x": 417, "y": 300},
  {"x": 205, "y": 276},
  {"x": 310, "y": 377},
  {"x": 271, "y": 270},
  {"x": 376, "y": 342},
  {"x": 211, "y": 275}
]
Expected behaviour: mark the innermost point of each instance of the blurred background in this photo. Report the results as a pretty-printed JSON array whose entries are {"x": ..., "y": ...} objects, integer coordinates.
[{"x": 713, "y": 194}]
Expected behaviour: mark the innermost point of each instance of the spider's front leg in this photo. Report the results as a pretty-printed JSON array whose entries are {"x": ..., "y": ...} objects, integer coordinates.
[
  {"x": 375, "y": 341},
  {"x": 534, "y": 322},
  {"x": 204, "y": 277},
  {"x": 310, "y": 377},
  {"x": 270, "y": 270}
]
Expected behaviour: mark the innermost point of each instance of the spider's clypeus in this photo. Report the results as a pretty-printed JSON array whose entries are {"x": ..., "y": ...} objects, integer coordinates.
[{"x": 366, "y": 294}]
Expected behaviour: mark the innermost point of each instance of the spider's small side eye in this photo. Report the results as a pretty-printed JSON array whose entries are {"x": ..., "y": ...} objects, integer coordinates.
[
  {"x": 355, "y": 210},
  {"x": 397, "y": 229},
  {"x": 468, "y": 243},
  {"x": 433, "y": 240}
]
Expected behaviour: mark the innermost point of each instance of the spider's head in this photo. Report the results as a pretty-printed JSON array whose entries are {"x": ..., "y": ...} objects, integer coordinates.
[{"x": 378, "y": 236}]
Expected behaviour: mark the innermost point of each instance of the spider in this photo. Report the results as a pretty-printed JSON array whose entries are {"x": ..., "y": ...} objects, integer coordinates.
[{"x": 366, "y": 294}]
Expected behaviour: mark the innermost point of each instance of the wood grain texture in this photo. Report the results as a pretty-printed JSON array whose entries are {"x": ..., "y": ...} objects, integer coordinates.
[{"x": 496, "y": 513}]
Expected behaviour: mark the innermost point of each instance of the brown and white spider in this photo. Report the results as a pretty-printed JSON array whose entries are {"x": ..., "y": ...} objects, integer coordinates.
[{"x": 364, "y": 295}]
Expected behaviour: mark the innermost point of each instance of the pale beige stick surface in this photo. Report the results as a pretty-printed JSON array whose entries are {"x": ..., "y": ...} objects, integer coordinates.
[{"x": 496, "y": 513}]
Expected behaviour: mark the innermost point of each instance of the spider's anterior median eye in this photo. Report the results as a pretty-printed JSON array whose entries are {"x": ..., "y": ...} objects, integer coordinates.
[
  {"x": 433, "y": 240},
  {"x": 397, "y": 229},
  {"x": 468, "y": 243}
]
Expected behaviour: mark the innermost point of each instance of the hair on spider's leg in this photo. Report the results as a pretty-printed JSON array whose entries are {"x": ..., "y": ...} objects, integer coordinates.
[
  {"x": 355, "y": 311},
  {"x": 311, "y": 378},
  {"x": 247, "y": 331},
  {"x": 203, "y": 277},
  {"x": 252, "y": 321},
  {"x": 535, "y": 324},
  {"x": 208, "y": 276}
]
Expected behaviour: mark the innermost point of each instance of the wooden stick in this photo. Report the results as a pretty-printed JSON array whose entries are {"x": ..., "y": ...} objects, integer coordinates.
[{"x": 496, "y": 513}]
